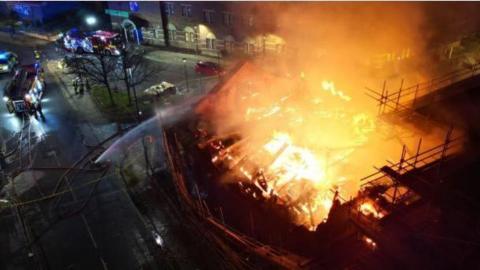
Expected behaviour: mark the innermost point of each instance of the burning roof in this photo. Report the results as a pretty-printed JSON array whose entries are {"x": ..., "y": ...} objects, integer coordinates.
[
  {"x": 296, "y": 140},
  {"x": 282, "y": 140}
]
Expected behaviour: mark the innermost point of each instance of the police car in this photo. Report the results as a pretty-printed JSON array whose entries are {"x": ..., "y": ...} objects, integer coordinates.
[{"x": 8, "y": 61}]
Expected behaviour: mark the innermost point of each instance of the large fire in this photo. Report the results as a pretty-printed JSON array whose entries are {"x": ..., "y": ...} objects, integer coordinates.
[{"x": 291, "y": 140}]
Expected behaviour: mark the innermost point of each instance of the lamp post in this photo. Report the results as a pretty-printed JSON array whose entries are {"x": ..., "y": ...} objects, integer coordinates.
[
  {"x": 139, "y": 113},
  {"x": 186, "y": 74},
  {"x": 129, "y": 71}
]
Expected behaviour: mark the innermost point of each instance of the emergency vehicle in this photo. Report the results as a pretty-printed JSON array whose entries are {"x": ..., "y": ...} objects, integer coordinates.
[
  {"x": 104, "y": 42},
  {"x": 8, "y": 61},
  {"x": 25, "y": 91}
]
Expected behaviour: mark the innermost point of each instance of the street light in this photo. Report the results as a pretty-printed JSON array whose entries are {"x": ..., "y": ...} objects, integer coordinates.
[
  {"x": 130, "y": 79},
  {"x": 91, "y": 20},
  {"x": 184, "y": 60}
]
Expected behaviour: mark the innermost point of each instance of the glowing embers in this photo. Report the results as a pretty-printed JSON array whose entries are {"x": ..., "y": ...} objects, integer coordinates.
[
  {"x": 369, "y": 242},
  {"x": 281, "y": 171},
  {"x": 370, "y": 209},
  {"x": 293, "y": 162}
]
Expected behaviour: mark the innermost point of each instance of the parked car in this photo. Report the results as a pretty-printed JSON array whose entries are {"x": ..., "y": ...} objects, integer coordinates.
[
  {"x": 163, "y": 88},
  {"x": 208, "y": 68},
  {"x": 8, "y": 61}
]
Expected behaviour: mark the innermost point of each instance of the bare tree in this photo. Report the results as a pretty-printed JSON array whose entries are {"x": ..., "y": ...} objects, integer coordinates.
[
  {"x": 100, "y": 69},
  {"x": 164, "y": 16},
  {"x": 135, "y": 70},
  {"x": 74, "y": 65}
]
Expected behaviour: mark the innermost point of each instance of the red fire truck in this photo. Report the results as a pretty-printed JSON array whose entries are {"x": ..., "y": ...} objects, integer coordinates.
[
  {"x": 104, "y": 42},
  {"x": 25, "y": 91}
]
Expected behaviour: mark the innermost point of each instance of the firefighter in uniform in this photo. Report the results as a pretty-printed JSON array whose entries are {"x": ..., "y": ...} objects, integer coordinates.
[
  {"x": 3, "y": 163},
  {"x": 76, "y": 84},
  {"x": 34, "y": 106},
  {"x": 37, "y": 54},
  {"x": 38, "y": 108},
  {"x": 29, "y": 105}
]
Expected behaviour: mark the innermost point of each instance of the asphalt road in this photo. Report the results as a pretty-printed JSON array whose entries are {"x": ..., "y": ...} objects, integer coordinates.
[{"x": 108, "y": 233}]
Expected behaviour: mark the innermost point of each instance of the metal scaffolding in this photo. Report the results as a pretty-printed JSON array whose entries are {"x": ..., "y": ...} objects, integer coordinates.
[
  {"x": 406, "y": 98},
  {"x": 419, "y": 161}
]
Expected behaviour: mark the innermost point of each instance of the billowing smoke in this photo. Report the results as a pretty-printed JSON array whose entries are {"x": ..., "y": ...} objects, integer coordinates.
[{"x": 343, "y": 39}]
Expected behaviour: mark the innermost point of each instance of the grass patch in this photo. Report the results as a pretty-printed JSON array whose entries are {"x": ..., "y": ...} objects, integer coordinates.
[{"x": 122, "y": 111}]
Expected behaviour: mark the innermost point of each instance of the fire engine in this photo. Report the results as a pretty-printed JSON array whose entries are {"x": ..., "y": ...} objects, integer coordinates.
[
  {"x": 104, "y": 42},
  {"x": 25, "y": 91}
]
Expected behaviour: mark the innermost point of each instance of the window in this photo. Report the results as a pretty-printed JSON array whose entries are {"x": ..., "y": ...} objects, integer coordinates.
[
  {"x": 228, "y": 43},
  {"x": 210, "y": 43},
  {"x": 186, "y": 10},
  {"x": 189, "y": 36},
  {"x": 172, "y": 34},
  {"x": 250, "y": 47},
  {"x": 158, "y": 33},
  {"x": 208, "y": 15},
  {"x": 169, "y": 8},
  {"x": 227, "y": 18}
]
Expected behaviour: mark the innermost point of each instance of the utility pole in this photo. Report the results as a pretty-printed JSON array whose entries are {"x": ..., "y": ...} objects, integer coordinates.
[
  {"x": 130, "y": 78},
  {"x": 184, "y": 60},
  {"x": 148, "y": 168}
]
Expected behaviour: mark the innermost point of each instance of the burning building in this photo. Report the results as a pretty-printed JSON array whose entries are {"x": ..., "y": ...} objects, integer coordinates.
[
  {"x": 293, "y": 140},
  {"x": 281, "y": 158},
  {"x": 293, "y": 156}
]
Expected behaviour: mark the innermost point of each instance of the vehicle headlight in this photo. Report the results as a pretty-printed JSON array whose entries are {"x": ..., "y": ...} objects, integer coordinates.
[
  {"x": 4, "y": 67},
  {"x": 5, "y": 98}
]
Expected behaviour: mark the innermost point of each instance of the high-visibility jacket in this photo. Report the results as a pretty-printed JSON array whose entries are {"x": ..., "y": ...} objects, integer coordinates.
[{"x": 37, "y": 54}]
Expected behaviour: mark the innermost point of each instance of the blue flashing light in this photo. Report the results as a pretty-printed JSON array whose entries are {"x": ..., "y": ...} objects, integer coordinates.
[
  {"x": 133, "y": 6},
  {"x": 4, "y": 55},
  {"x": 22, "y": 10}
]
